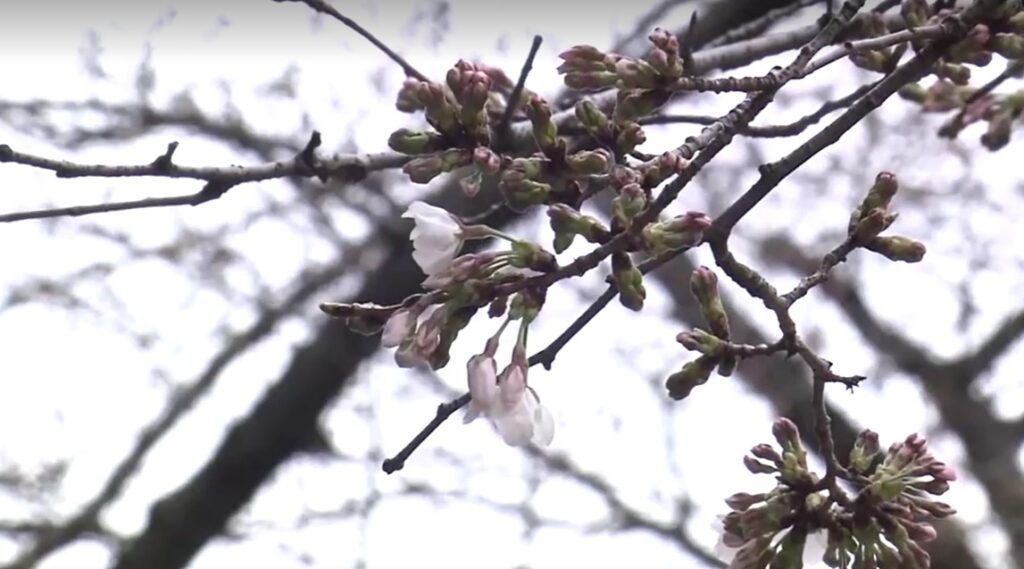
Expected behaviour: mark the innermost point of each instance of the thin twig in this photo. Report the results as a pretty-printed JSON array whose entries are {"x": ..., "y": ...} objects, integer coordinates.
[
  {"x": 219, "y": 178},
  {"x": 325, "y": 8},
  {"x": 513, "y": 99},
  {"x": 769, "y": 131},
  {"x": 88, "y": 518}
]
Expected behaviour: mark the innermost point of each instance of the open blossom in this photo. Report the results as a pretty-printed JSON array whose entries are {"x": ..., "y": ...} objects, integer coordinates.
[
  {"x": 511, "y": 405},
  {"x": 436, "y": 238}
]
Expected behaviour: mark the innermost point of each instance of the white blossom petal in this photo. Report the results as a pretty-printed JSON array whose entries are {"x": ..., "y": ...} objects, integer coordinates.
[
  {"x": 436, "y": 237},
  {"x": 483, "y": 385},
  {"x": 397, "y": 328},
  {"x": 515, "y": 425}
]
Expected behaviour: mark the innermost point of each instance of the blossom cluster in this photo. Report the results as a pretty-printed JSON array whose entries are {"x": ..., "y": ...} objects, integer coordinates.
[{"x": 883, "y": 525}]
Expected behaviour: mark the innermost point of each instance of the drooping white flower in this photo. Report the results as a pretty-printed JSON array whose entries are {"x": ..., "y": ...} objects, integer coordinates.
[
  {"x": 436, "y": 238},
  {"x": 517, "y": 411},
  {"x": 483, "y": 385}
]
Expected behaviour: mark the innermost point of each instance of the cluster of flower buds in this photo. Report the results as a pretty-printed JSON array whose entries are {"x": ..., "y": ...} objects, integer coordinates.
[
  {"x": 621, "y": 136},
  {"x": 872, "y": 217},
  {"x": 882, "y": 526},
  {"x": 1003, "y": 35},
  {"x": 882, "y": 60},
  {"x": 888, "y": 521},
  {"x": 712, "y": 346},
  {"x": 644, "y": 85}
]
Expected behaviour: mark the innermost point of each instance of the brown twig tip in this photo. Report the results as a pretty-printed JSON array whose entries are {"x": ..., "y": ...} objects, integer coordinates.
[
  {"x": 308, "y": 155},
  {"x": 6, "y": 153},
  {"x": 513, "y": 99},
  {"x": 444, "y": 410},
  {"x": 163, "y": 162}
]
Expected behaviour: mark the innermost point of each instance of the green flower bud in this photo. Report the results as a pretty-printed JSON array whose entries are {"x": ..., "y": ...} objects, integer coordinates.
[
  {"x": 913, "y": 92},
  {"x": 897, "y": 248},
  {"x": 698, "y": 340},
  {"x": 544, "y": 130},
  {"x": 915, "y": 12},
  {"x": 630, "y": 136},
  {"x": 999, "y": 130},
  {"x": 589, "y": 162},
  {"x": 590, "y": 81},
  {"x": 408, "y": 101},
  {"x": 636, "y": 74},
  {"x": 677, "y": 233},
  {"x": 864, "y": 451},
  {"x": 411, "y": 142},
  {"x": 631, "y": 104},
  {"x": 694, "y": 373},
  {"x": 876, "y": 221},
  {"x": 422, "y": 170},
  {"x": 528, "y": 255},
  {"x": 629, "y": 280},
  {"x": 1010, "y": 46},
  {"x": 593, "y": 120},
  {"x": 628, "y": 204}
]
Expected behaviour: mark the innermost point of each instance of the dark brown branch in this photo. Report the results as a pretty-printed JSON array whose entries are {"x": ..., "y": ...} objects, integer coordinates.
[
  {"x": 88, "y": 518},
  {"x": 325, "y": 8},
  {"x": 772, "y": 174}
]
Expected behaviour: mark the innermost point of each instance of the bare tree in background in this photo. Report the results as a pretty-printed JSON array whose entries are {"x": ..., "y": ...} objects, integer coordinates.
[{"x": 503, "y": 157}]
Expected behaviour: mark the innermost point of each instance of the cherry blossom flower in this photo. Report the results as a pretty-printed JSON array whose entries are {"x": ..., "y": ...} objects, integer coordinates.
[
  {"x": 507, "y": 400},
  {"x": 436, "y": 238}
]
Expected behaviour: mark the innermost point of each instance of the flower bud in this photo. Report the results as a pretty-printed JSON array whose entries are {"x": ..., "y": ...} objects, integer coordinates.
[
  {"x": 519, "y": 186},
  {"x": 628, "y": 204},
  {"x": 742, "y": 501},
  {"x": 915, "y": 12},
  {"x": 664, "y": 57},
  {"x": 786, "y": 433},
  {"x": 593, "y": 120},
  {"x": 528, "y": 255},
  {"x": 590, "y": 81},
  {"x": 700, "y": 341},
  {"x": 631, "y": 104},
  {"x": 661, "y": 168},
  {"x": 589, "y": 162},
  {"x": 629, "y": 280},
  {"x": 864, "y": 451},
  {"x": 581, "y": 57},
  {"x": 408, "y": 101},
  {"x": 1010, "y": 46},
  {"x": 567, "y": 223},
  {"x": 873, "y": 223},
  {"x": 630, "y": 136},
  {"x": 897, "y": 248},
  {"x": 441, "y": 113},
  {"x": 957, "y": 73},
  {"x": 683, "y": 231},
  {"x": 913, "y": 92},
  {"x": 411, "y": 142},
  {"x": 544, "y": 130},
  {"x": 694, "y": 373},
  {"x": 486, "y": 160},
  {"x": 636, "y": 74},
  {"x": 423, "y": 169},
  {"x": 999, "y": 130}
]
